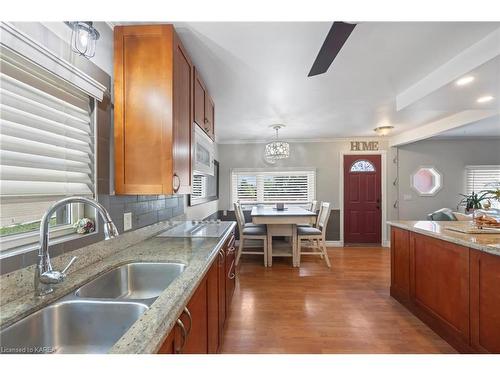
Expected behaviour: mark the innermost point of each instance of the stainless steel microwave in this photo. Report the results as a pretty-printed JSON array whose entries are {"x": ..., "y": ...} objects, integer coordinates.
[{"x": 204, "y": 150}]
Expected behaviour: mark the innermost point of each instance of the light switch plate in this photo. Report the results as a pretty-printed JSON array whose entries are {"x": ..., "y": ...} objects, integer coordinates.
[{"x": 127, "y": 221}]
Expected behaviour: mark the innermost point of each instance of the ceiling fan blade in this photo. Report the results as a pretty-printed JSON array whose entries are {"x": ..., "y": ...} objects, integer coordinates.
[{"x": 337, "y": 36}]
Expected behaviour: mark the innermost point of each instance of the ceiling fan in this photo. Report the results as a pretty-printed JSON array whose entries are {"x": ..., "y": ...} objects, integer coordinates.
[{"x": 337, "y": 36}]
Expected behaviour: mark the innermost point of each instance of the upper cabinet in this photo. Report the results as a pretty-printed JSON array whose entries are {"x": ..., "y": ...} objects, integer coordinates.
[
  {"x": 153, "y": 112},
  {"x": 204, "y": 114}
]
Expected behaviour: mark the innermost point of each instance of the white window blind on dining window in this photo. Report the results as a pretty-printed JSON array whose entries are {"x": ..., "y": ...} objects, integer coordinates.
[
  {"x": 46, "y": 138},
  {"x": 273, "y": 186}
]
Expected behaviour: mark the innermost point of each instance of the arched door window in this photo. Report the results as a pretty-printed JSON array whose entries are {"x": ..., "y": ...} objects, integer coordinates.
[{"x": 362, "y": 166}]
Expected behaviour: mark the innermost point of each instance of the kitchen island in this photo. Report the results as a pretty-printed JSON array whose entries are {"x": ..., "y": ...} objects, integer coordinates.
[{"x": 449, "y": 280}]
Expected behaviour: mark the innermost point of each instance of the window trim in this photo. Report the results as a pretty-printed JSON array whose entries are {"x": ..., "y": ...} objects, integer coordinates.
[{"x": 271, "y": 170}]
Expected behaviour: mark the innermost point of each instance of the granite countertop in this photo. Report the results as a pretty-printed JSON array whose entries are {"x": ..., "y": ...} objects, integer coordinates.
[
  {"x": 148, "y": 333},
  {"x": 489, "y": 243}
]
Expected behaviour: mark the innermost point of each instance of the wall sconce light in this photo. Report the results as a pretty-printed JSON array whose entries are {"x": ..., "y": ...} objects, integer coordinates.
[{"x": 83, "y": 38}]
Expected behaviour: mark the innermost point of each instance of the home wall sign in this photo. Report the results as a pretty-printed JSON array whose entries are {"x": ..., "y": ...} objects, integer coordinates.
[{"x": 364, "y": 146}]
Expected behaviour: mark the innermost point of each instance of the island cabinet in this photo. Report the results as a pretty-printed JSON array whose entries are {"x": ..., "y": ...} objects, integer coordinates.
[
  {"x": 200, "y": 327},
  {"x": 451, "y": 288},
  {"x": 485, "y": 301},
  {"x": 400, "y": 263},
  {"x": 204, "y": 109},
  {"x": 153, "y": 98}
]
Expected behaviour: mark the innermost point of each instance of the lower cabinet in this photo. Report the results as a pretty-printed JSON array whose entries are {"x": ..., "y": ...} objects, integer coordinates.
[
  {"x": 400, "y": 263},
  {"x": 200, "y": 327},
  {"x": 451, "y": 288},
  {"x": 439, "y": 286},
  {"x": 485, "y": 301},
  {"x": 230, "y": 272}
]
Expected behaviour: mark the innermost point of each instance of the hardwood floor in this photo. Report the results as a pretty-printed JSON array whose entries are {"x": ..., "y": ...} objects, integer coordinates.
[{"x": 316, "y": 310}]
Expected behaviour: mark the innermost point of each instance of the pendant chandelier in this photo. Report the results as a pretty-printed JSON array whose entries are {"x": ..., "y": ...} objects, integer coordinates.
[
  {"x": 277, "y": 149},
  {"x": 83, "y": 38}
]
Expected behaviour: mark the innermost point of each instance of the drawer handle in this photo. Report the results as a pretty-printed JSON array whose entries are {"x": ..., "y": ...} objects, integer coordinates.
[
  {"x": 184, "y": 336},
  {"x": 188, "y": 313}
]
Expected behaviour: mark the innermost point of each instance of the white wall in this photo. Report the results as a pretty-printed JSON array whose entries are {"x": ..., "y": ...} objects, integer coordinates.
[
  {"x": 450, "y": 158},
  {"x": 104, "y": 47}
]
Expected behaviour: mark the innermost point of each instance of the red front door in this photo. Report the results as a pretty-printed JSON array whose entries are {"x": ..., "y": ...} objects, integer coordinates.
[{"x": 362, "y": 199}]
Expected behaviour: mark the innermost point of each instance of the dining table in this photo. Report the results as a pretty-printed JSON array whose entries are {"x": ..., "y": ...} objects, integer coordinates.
[{"x": 282, "y": 223}]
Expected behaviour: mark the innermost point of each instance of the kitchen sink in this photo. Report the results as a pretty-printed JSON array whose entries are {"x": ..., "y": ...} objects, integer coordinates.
[
  {"x": 72, "y": 326},
  {"x": 137, "y": 281},
  {"x": 92, "y": 319}
]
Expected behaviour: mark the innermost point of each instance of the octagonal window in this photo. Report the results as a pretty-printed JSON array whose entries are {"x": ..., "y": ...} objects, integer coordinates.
[{"x": 426, "y": 181}]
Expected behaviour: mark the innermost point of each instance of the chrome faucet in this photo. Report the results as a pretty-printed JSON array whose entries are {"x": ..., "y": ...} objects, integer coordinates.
[{"x": 45, "y": 276}]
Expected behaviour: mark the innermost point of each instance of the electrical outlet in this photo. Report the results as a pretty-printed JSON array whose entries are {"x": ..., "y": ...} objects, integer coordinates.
[
  {"x": 224, "y": 213},
  {"x": 407, "y": 197},
  {"x": 127, "y": 221}
]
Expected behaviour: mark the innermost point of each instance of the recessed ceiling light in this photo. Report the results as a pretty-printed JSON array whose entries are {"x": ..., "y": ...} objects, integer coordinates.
[
  {"x": 485, "y": 99},
  {"x": 464, "y": 81}
]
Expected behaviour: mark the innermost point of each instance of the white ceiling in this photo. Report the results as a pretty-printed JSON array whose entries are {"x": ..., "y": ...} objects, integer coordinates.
[
  {"x": 487, "y": 128},
  {"x": 257, "y": 75}
]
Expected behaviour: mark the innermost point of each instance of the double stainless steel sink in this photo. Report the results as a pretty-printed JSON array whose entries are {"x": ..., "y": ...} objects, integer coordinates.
[{"x": 94, "y": 317}]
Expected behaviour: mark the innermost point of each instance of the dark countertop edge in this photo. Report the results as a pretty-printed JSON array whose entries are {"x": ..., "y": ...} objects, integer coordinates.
[
  {"x": 184, "y": 300},
  {"x": 485, "y": 248}
]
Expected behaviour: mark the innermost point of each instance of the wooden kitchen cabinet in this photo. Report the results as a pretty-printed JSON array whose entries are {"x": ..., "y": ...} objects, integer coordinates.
[
  {"x": 196, "y": 340},
  {"x": 169, "y": 345},
  {"x": 452, "y": 288},
  {"x": 210, "y": 116},
  {"x": 485, "y": 301},
  {"x": 400, "y": 263},
  {"x": 204, "y": 114},
  {"x": 439, "y": 285},
  {"x": 213, "y": 308},
  {"x": 153, "y": 86},
  {"x": 221, "y": 281},
  {"x": 230, "y": 271},
  {"x": 208, "y": 308}
]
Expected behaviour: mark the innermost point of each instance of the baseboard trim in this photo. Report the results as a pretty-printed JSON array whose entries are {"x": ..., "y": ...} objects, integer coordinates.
[
  {"x": 386, "y": 243},
  {"x": 334, "y": 243}
]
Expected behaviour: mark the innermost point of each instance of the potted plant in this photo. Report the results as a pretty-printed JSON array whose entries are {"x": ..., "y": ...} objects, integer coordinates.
[{"x": 473, "y": 201}]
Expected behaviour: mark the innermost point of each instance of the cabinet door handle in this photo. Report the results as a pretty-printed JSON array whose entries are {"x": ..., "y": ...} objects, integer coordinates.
[
  {"x": 231, "y": 275},
  {"x": 221, "y": 256},
  {"x": 188, "y": 313},
  {"x": 184, "y": 336},
  {"x": 176, "y": 189}
]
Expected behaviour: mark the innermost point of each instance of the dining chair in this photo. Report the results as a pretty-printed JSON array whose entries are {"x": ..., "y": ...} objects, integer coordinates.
[
  {"x": 249, "y": 232},
  {"x": 315, "y": 234},
  {"x": 313, "y": 207}
]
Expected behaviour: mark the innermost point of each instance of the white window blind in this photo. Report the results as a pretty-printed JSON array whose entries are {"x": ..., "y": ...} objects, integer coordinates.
[
  {"x": 46, "y": 139},
  {"x": 273, "y": 186},
  {"x": 482, "y": 177}
]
